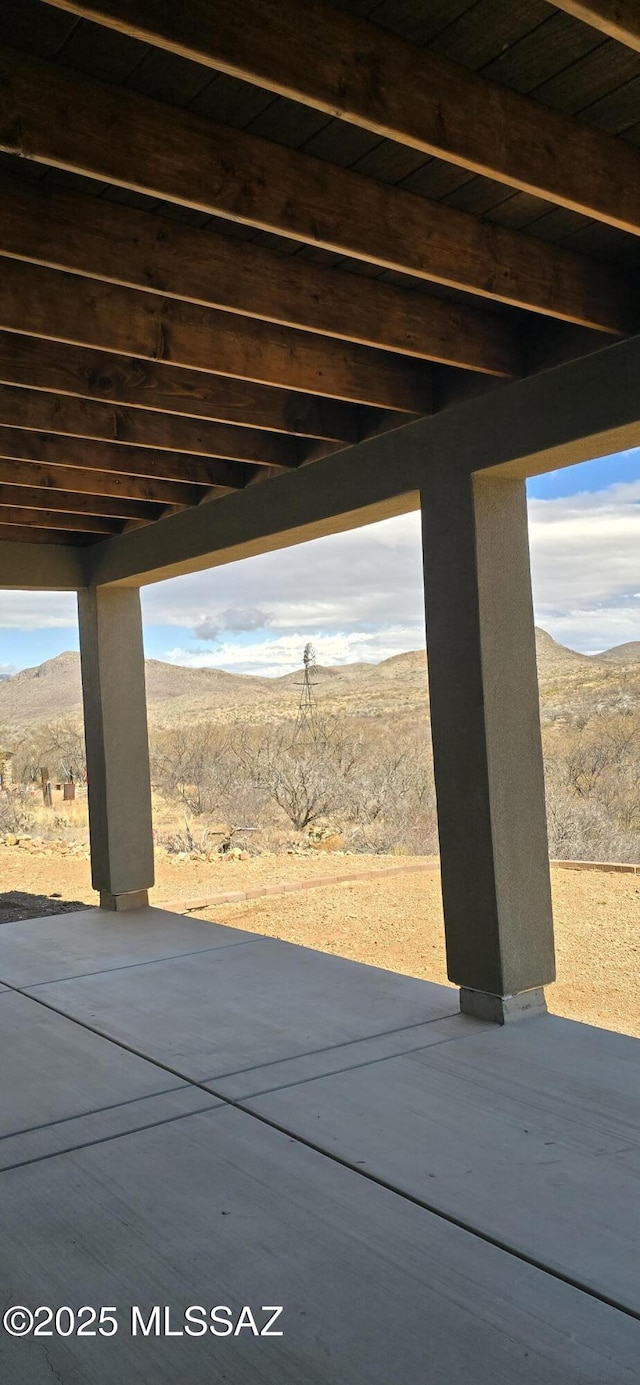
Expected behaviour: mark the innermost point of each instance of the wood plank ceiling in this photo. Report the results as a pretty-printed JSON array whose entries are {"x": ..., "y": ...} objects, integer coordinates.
[{"x": 238, "y": 235}]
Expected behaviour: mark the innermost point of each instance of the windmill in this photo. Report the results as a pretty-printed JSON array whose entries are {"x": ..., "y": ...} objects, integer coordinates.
[{"x": 307, "y": 710}]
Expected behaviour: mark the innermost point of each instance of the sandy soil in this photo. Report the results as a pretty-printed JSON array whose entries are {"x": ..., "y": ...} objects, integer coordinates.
[
  {"x": 394, "y": 922},
  {"x": 68, "y": 876},
  {"x": 397, "y": 923}
]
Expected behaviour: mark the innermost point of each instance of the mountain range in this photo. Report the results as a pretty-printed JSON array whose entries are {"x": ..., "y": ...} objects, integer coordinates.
[{"x": 568, "y": 681}]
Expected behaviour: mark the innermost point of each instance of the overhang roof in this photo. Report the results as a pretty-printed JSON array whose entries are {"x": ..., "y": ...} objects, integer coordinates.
[{"x": 209, "y": 277}]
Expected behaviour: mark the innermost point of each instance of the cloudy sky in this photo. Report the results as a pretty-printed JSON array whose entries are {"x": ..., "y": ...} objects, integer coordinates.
[{"x": 358, "y": 596}]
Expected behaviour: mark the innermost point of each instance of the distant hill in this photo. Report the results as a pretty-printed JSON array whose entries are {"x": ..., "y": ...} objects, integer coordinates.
[
  {"x": 394, "y": 687},
  {"x": 550, "y": 654},
  {"x": 623, "y": 653}
]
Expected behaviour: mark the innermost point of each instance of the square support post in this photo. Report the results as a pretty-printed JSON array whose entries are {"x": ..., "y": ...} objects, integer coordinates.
[
  {"x": 485, "y": 722},
  {"x": 115, "y": 719}
]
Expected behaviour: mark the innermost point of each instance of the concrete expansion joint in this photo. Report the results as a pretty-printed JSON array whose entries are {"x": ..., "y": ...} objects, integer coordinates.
[{"x": 503, "y": 1009}]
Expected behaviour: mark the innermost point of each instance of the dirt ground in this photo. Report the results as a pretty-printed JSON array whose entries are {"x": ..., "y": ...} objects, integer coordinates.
[{"x": 394, "y": 922}]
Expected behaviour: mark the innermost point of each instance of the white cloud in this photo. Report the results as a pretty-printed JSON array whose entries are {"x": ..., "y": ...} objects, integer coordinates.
[
  {"x": 237, "y": 619},
  {"x": 282, "y": 654},
  {"x": 359, "y": 595},
  {"x": 37, "y": 610},
  {"x": 370, "y": 576},
  {"x": 585, "y": 562}
]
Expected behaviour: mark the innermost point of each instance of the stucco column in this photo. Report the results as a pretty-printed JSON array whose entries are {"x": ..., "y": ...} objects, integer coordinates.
[
  {"x": 115, "y": 718},
  {"x": 486, "y": 742}
]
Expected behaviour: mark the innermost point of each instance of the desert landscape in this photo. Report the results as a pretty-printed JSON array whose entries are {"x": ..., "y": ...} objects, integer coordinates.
[
  {"x": 237, "y": 756},
  {"x": 308, "y": 813}
]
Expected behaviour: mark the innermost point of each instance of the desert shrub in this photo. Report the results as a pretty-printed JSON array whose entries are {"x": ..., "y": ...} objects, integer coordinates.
[
  {"x": 372, "y": 779},
  {"x": 391, "y": 799},
  {"x": 192, "y": 763},
  {"x": 593, "y": 791},
  {"x": 203, "y": 766},
  {"x": 16, "y": 811},
  {"x": 303, "y": 769},
  {"x": 59, "y": 746}
]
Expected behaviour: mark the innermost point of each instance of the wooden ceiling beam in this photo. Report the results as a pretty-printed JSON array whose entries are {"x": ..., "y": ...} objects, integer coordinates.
[
  {"x": 618, "y": 19},
  {"x": 84, "y": 418},
  {"x": 111, "y": 134},
  {"x": 44, "y": 519},
  {"x": 139, "y": 383},
  {"x": 75, "y": 503},
  {"x": 105, "y": 240},
  {"x": 25, "y": 533},
  {"x": 49, "y": 449},
  {"x": 57, "y": 306},
  {"x": 123, "y": 489},
  {"x": 372, "y": 78}
]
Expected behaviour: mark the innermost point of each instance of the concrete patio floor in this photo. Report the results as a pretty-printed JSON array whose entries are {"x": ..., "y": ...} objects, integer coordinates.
[{"x": 194, "y": 1115}]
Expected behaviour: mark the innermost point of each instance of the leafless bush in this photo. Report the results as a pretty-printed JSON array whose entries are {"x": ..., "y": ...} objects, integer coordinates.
[
  {"x": 16, "y": 811},
  {"x": 203, "y": 767},
  {"x": 593, "y": 791},
  {"x": 59, "y": 746},
  {"x": 373, "y": 782},
  {"x": 391, "y": 799},
  {"x": 304, "y": 770}
]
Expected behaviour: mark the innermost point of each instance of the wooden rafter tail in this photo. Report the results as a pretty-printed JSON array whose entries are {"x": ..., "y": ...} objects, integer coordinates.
[
  {"x": 70, "y": 308},
  {"x": 618, "y": 19},
  {"x": 376, "y": 80},
  {"x": 54, "y": 519},
  {"x": 104, "y": 240},
  {"x": 75, "y": 502},
  {"x": 51, "y": 449},
  {"x": 93, "y": 374},
  {"x": 25, "y": 533},
  {"x": 238, "y": 176},
  {"x": 51, "y": 413},
  {"x": 52, "y": 478}
]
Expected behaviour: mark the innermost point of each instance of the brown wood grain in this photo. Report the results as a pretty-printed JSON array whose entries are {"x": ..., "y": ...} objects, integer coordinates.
[
  {"x": 47, "y": 303},
  {"x": 53, "y": 413},
  {"x": 70, "y": 230},
  {"x": 52, "y": 477},
  {"x": 372, "y": 78},
  {"x": 52, "y": 449},
  {"x": 131, "y": 380},
  {"x": 25, "y": 533},
  {"x": 114, "y": 135},
  {"x": 72, "y": 502},
  {"x": 43, "y": 519},
  {"x": 618, "y": 19}
]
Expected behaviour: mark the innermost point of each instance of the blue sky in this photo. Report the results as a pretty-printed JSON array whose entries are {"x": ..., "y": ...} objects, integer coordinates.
[{"x": 359, "y": 595}]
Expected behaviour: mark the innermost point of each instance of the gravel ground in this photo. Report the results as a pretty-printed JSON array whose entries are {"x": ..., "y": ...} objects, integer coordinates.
[
  {"x": 68, "y": 876},
  {"x": 394, "y": 922},
  {"x": 397, "y": 923}
]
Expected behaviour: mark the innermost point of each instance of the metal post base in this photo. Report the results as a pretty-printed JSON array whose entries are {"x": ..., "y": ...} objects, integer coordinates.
[
  {"x": 503, "y": 1009},
  {"x": 120, "y": 903}
]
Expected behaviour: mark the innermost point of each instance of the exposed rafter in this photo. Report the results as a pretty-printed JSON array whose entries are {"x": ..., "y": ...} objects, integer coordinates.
[
  {"x": 62, "y": 307},
  {"x": 76, "y": 503},
  {"x": 52, "y": 413},
  {"x": 52, "y": 449},
  {"x": 372, "y": 78},
  {"x": 50, "y": 478},
  {"x": 130, "y": 380},
  {"x": 69, "y": 230},
  {"x": 151, "y": 361},
  {"x": 111, "y": 134},
  {"x": 619, "y": 19},
  {"x": 29, "y": 533},
  {"x": 54, "y": 519}
]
